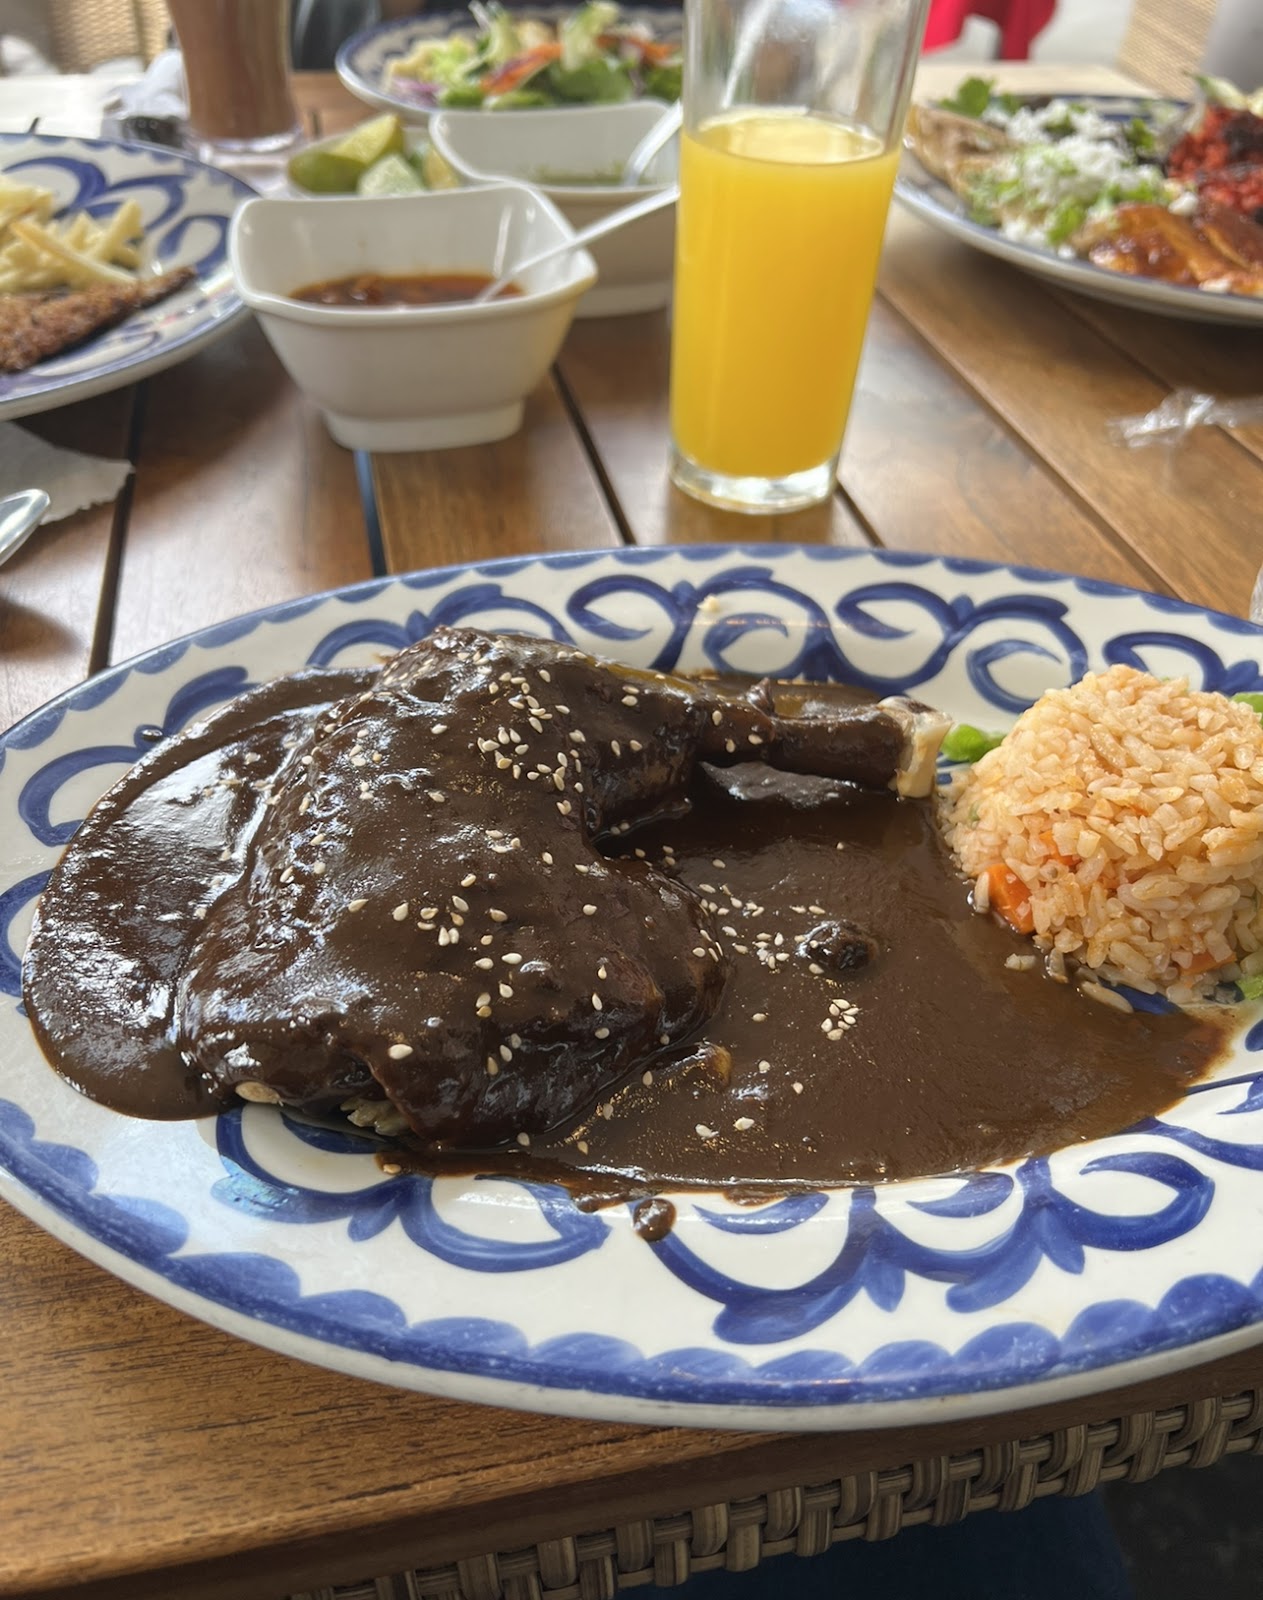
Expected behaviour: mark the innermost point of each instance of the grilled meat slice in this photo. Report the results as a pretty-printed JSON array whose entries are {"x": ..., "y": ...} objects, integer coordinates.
[{"x": 1148, "y": 241}]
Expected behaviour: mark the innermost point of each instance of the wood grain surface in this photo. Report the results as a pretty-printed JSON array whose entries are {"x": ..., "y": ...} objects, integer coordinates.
[{"x": 149, "y": 1456}]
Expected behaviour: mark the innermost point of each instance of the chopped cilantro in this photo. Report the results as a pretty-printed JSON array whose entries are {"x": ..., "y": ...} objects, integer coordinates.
[
  {"x": 1250, "y": 988},
  {"x": 964, "y": 743},
  {"x": 972, "y": 98}
]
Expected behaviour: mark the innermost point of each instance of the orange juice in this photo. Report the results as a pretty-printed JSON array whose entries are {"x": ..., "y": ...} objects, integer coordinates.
[{"x": 778, "y": 233}]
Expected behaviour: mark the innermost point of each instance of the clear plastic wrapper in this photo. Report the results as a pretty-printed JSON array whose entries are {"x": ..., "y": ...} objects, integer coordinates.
[{"x": 1183, "y": 410}]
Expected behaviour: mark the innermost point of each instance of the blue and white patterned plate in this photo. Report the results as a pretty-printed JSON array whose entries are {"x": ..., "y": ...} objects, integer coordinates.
[
  {"x": 1103, "y": 1263},
  {"x": 363, "y": 61},
  {"x": 933, "y": 201},
  {"x": 186, "y": 208}
]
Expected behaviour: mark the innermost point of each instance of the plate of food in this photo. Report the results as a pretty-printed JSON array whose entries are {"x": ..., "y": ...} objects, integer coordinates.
[
  {"x": 759, "y": 987},
  {"x": 522, "y": 58},
  {"x": 113, "y": 265},
  {"x": 1149, "y": 203}
]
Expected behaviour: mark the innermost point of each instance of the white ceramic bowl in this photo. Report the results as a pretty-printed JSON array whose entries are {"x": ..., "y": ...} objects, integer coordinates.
[
  {"x": 411, "y": 377},
  {"x": 538, "y": 147}
]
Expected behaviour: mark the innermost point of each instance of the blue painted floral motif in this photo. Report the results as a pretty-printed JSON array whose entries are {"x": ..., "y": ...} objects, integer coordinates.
[{"x": 408, "y": 1200}]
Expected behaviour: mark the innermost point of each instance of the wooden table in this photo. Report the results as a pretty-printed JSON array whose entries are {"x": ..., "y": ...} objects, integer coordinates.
[{"x": 148, "y": 1455}]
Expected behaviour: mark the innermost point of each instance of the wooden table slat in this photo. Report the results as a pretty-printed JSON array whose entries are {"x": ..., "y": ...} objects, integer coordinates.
[
  {"x": 535, "y": 491},
  {"x": 229, "y": 431},
  {"x": 1189, "y": 517},
  {"x": 56, "y": 594},
  {"x": 932, "y": 468}
]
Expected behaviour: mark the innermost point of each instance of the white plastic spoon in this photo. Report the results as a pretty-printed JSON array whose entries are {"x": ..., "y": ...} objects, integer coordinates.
[{"x": 595, "y": 230}]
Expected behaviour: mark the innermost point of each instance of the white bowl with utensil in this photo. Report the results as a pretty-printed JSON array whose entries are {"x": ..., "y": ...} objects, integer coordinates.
[
  {"x": 411, "y": 377},
  {"x": 574, "y": 157}
]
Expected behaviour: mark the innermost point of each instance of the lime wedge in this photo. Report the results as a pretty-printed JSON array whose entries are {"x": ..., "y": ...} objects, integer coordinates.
[
  {"x": 390, "y": 175},
  {"x": 324, "y": 172},
  {"x": 435, "y": 172},
  {"x": 367, "y": 144}
]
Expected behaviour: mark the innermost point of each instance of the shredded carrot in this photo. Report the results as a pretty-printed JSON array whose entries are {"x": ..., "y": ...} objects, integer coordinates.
[
  {"x": 514, "y": 73},
  {"x": 1010, "y": 897},
  {"x": 654, "y": 51},
  {"x": 1204, "y": 962}
]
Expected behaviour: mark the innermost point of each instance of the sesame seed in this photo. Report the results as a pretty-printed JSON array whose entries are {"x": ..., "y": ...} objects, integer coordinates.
[
  {"x": 765, "y": 1066},
  {"x": 487, "y": 938},
  {"x": 428, "y": 913},
  {"x": 630, "y": 700},
  {"x": 461, "y": 905},
  {"x": 524, "y": 1139},
  {"x": 797, "y": 1088},
  {"x": 664, "y": 1038},
  {"x": 506, "y": 1055},
  {"x": 399, "y": 1052},
  {"x": 743, "y": 1124},
  {"x": 699, "y": 950},
  {"x": 589, "y": 911},
  {"x": 758, "y": 1016},
  {"x": 318, "y": 869},
  {"x": 400, "y": 911},
  {"x": 814, "y": 968},
  {"x": 493, "y": 1066},
  {"x": 647, "y": 1080},
  {"x": 356, "y": 905},
  {"x": 437, "y": 796},
  {"x": 304, "y": 803},
  {"x": 544, "y": 674},
  {"x": 536, "y": 724},
  {"x": 754, "y": 739},
  {"x": 497, "y": 915},
  {"x": 730, "y": 745},
  {"x": 506, "y": 993},
  {"x": 439, "y": 727},
  {"x": 581, "y": 1145},
  {"x": 601, "y": 972},
  {"x": 602, "y": 1033},
  {"x": 511, "y": 958},
  {"x": 359, "y": 761},
  {"x": 287, "y": 875},
  {"x": 484, "y": 963},
  {"x": 483, "y": 1012},
  {"x": 703, "y": 1132},
  {"x": 503, "y": 763},
  {"x": 564, "y": 807},
  {"x": 547, "y": 858},
  {"x": 565, "y": 710},
  {"x": 635, "y": 744},
  {"x": 597, "y": 1003},
  {"x": 494, "y": 833}
]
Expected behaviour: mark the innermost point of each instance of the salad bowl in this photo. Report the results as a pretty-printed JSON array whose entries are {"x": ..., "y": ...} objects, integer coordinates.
[{"x": 534, "y": 57}]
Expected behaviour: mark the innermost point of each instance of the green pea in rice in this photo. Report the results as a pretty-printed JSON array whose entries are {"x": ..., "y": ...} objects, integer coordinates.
[{"x": 1132, "y": 811}]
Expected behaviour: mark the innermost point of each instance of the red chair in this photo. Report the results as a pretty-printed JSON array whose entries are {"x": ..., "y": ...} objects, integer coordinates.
[{"x": 1019, "y": 22}]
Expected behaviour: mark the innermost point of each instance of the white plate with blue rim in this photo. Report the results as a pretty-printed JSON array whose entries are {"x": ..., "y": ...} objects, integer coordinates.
[
  {"x": 185, "y": 208},
  {"x": 364, "y": 60},
  {"x": 1101, "y": 1264},
  {"x": 932, "y": 200}
]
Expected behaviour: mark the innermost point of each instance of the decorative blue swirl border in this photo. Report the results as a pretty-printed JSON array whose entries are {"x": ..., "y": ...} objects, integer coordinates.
[{"x": 874, "y": 1258}]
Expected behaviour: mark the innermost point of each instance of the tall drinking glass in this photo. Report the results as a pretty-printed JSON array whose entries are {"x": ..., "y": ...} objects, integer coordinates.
[
  {"x": 793, "y": 116},
  {"x": 236, "y": 66}
]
